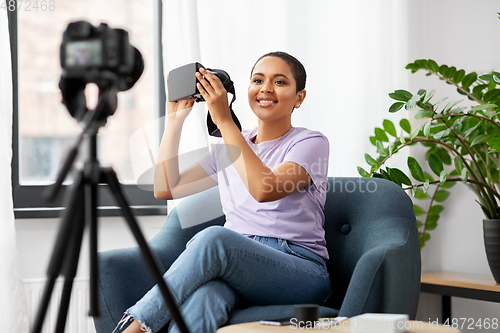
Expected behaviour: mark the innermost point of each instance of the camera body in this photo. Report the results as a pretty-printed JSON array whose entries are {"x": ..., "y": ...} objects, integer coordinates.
[{"x": 101, "y": 55}]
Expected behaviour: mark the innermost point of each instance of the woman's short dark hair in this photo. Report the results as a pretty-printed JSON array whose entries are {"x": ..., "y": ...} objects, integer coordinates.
[{"x": 298, "y": 70}]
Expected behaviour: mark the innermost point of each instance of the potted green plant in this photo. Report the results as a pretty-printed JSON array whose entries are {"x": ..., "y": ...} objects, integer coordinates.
[{"x": 462, "y": 145}]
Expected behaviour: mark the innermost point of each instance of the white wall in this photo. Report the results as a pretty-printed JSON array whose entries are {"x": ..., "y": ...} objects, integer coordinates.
[
  {"x": 464, "y": 34},
  {"x": 36, "y": 238}
]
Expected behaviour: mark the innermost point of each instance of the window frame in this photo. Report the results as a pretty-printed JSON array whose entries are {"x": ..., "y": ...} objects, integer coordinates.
[{"x": 28, "y": 202}]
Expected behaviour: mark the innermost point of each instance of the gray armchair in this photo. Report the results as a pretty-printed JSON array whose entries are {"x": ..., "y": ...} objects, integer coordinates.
[{"x": 371, "y": 235}]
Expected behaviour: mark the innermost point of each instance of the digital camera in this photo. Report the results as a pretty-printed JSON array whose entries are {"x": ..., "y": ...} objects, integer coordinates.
[{"x": 101, "y": 55}]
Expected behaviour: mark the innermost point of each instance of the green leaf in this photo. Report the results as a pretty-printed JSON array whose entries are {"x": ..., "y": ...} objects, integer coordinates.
[
  {"x": 451, "y": 72},
  {"x": 443, "y": 176},
  {"x": 482, "y": 138},
  {"x": 436, "y": 164},
  {"x": 423, "y": 114},
  {"x": 402, "y": 137},
  {"x": 428, "y": 176},
  {"x": 490, "y": 114},
  {"x": 415, "y": 132},
  {"x": 442, "y": 134},
  {"x": 478, "y": 90},
  {"x": 419, "y": 194},
  {"x": 396, "y": 107},
  {"x": 380, "y": 135},
  {"x": 441, "y": 195},
  {"x": 470, "y": 130},
  {"x": 482, "y": 107},
  {"x": 432, "y": 221},
  {"x": 400, "y": 176},
  {"x": 443, "y": 69},
  {"x": 380, "y": 149},
  {"x": 444, "y": 156},
  {"x": 373, "y": 140},
  {"x": 371, "y": 161},
  {"x": 389, "y": 127},
  {"x": 459, "y": 165},
  {"x": 486, "y": 77},
  {"x": 439, "y": 102},
  {"x": 494, "y": 144},
  {"x": 426, "y": 185},
  {"x": 405, "y": 125},
  {"x": 458, "y": 121},
  {"x": 423, "y": 238},
  {"x": 491, "y": 95},
  {"x": 429, "y": 95},
  {"x": 469, "y": 79},
  {"x": 457, "y": 110},
  {"x": 427, "y": 128},
  {"x": 459, "y": 76},
  {"x": 450, "y": 105},
  {"x": 464, "y": 175},
  {"x": 418, "y": 211},
  {"x": 363, "y": 173},
  {"x": 422, "y": 63},
  {"x": 436, "y": 209},
  {"x": 391, "y": 149},
  {"x": 433, "y": 66},
  {"x": 415, "y": 169},
  {"x": 414, "y": 191},
  {"x": 412, "y": 102},
  {"x": 401, "y": 95},
  {"x": 413, "y": 67},
  {"x": 448, "y": 185}
]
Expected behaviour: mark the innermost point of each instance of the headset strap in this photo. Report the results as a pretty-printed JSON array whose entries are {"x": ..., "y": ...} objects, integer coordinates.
[{"x": 213, "y": 130}]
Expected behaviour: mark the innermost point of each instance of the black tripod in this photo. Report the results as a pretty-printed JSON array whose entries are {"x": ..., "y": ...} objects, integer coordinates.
[{"x": 81, "y": 210}]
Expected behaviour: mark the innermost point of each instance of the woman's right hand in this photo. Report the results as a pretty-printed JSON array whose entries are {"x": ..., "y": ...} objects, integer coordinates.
[{"x": 179, "y": 110}]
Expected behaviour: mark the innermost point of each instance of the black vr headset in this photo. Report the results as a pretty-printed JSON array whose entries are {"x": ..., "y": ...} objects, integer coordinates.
[{"x": 182, "y": 84}]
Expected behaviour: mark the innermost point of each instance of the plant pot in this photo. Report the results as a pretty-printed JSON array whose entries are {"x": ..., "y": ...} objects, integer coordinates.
[{"x": 491, "y": 229}]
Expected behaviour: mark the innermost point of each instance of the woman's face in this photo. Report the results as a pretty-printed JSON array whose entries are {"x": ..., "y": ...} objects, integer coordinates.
[{"x": 272, "y": 91}]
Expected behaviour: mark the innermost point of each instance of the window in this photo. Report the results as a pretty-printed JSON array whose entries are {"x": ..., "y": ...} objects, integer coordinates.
[{"x": 44, "y": 130}]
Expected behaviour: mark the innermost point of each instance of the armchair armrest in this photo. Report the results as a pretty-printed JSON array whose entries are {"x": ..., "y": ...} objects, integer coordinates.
[{"x": 386, "y": 270}]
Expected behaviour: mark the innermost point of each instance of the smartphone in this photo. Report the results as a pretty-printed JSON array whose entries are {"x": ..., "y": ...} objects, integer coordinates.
[
  {"x": 182, "y": 82},
  {"x": 280, "y": 322}
]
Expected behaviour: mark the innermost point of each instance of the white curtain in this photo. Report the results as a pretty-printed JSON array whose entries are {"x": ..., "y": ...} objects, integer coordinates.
[
  {"x": 13, "y": 316},
  {"x": 355, "y": 53}
]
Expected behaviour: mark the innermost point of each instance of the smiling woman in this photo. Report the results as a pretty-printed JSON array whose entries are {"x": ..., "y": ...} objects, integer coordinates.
[
  {"x": 277, "y": 87},
  {"x": 272, "y": 197}
]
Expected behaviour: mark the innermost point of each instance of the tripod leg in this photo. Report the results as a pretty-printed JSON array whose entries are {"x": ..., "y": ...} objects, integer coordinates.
[
  {"x": 147, "y": 255},
  {"x": 60, "y": 250},
  {"x": 70, "y": 267},
  {"x": 91, "y": 216}
]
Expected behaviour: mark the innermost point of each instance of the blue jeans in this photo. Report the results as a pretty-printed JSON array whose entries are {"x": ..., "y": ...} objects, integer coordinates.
[{"x": 220, "y": 267}]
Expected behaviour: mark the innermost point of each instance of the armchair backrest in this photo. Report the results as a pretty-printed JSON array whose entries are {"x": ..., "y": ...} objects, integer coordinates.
[{"x": 363, "y": 215}]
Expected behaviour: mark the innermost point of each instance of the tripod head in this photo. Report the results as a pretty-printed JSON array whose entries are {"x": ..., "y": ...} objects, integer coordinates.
[{"x": 91, "y": 123}]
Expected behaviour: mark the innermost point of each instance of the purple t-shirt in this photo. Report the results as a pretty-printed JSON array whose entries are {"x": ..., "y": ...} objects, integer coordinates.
[{"x": 297, "y": 217}]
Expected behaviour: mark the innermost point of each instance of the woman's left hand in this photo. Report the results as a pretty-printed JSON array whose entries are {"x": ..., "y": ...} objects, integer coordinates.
[{"x": 214, "y": 93}]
